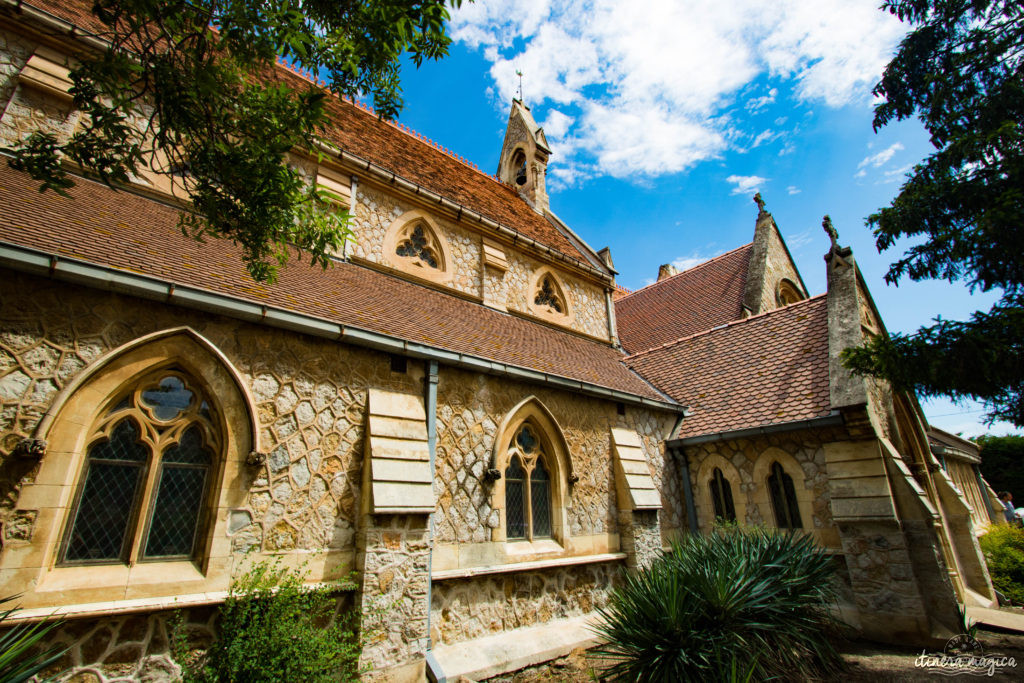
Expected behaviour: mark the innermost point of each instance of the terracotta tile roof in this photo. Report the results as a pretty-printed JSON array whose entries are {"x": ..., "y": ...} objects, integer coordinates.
[
  {"x": 128, "y": 232},
  {"x": 767, "y": 369},
  {"x": 689, "y": 302},
  {"x": 361, "y": 133}
]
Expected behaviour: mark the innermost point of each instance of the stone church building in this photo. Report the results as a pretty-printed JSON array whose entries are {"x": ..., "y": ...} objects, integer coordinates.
[{"x": 464, "y": 409}]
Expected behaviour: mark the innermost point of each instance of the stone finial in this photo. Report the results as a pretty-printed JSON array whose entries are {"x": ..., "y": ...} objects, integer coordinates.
[
  {"x": 256, "y": 459},
  {"x": 831, "y": 231},
  {"x": 835, "y": 251},
  {"x": 760, "y": 203},
  {"x": 31, "y": 448}
]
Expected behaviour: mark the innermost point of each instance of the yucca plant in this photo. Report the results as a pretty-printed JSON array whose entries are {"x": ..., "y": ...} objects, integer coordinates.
[
  {"x": 733, "y": 605},
  {"x": 22, "y": 653}
]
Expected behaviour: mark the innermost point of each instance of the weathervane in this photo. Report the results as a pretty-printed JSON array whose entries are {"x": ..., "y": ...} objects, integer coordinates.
[{"x": 520, "y": 74}]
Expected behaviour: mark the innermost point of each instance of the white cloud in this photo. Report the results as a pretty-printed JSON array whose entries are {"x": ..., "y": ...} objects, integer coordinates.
[
  {"x": 644, "y": 89},
  {"x": 745, "y": 184},
  {"x": 793, "y": 189},
  {"x": 881, "y": 158},
  {"x": 694, "y": 259},
  {"x": 799, "y": 240}
]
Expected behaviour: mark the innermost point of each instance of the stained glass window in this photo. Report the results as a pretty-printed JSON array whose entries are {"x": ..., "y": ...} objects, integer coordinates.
[
  {"x": 418, "y": 246},
  {"x": 124, "y": 513},
  {"x": 721, "y": 496},
  {"x": 527, "y": 489},
  {"x": 783, "y": 497}
]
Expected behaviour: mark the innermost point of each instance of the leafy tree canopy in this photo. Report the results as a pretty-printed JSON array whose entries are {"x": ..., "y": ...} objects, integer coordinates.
[
  {"x": 1002, "y": 463},
  {"x": 961, "y": 72},
  {"x": 187, "y": 87}
]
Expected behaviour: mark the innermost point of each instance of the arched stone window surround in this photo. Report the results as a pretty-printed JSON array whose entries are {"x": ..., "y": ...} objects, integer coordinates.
[
  {"x": 702, "y": 497},
  {"x": 787, "y": 293},
  {"x": 804, "y": 493},
  {"x": 519, "y": 156},
  {"x": 400, "y": 229},
  {"x": 557, "y": 462},
  {"x": 558, "y": 284},
  {"x": 68, "y": 426}
]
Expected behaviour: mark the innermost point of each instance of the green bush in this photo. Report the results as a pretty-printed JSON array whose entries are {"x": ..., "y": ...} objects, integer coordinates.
[
  {"x": 23, "y": 652},
  {"x": 733, "y": 605},
  {"x": 272, "y": 627},
  {"x": 1003, "y": 546}
]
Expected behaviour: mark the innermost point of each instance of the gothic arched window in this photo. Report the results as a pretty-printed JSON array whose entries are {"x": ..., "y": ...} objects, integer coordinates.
[
  {"x": 721, "y": 496},
  {"x": 146, "y": 473},
  {"x": 783, "y": 497},
  {"x": 527, "y": 488},
  {"x": 788, "y": 293}
]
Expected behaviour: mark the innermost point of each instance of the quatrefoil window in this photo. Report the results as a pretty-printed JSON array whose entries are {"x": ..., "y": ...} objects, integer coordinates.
[{"x": 418, "y": 246}]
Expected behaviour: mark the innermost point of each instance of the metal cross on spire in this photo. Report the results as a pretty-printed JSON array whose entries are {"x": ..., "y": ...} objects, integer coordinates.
[{"x": 520, "y": 74}]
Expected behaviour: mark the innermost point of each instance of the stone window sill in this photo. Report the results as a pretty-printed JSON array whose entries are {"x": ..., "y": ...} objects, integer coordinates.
[{"x": 533, "y": 565}]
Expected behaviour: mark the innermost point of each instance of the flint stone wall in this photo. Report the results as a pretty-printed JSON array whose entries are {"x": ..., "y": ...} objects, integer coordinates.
[
  {"x": 465, "y": 609},
  {"x": 806, "y": 447},
  {"x": 470, "y": 409},
  {"x": 310, "y": 394}
]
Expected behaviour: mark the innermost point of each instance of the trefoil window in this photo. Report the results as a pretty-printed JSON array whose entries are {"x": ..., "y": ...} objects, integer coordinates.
[
  {"x": 549, "y": 297},
  {"x": 419, "y": 248}
]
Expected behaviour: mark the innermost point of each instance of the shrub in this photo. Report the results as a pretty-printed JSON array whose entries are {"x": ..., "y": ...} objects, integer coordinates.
[
  {"x": 272, "y": 627},
  {"x": 1003, "y": 546},
  {"x": 22, "y": 650},
  {"x": 736, "y": 604}
]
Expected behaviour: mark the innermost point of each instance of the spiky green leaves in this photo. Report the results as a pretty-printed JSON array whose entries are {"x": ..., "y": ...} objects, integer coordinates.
[{"x": 734, "y": 605}]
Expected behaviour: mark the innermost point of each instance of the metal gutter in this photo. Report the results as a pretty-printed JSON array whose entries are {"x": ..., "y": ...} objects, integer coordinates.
[
  {"x": 435, "y": 672},
  {"x": 833, "y": 419},
  {"x": 67, "y": 269}
]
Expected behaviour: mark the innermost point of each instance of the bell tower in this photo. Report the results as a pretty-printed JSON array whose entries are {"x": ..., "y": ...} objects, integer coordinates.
[{"x": 524, "y": 157}]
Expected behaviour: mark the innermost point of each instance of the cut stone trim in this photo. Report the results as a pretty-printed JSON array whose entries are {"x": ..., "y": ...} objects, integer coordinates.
[
  {"x": 532, "y": 565},
  {"x": 46, "y": 70},
  {"x": 397, "y": 468},
  {"x": 633, "y": 481},
  {"x": 435, "y": 243}
]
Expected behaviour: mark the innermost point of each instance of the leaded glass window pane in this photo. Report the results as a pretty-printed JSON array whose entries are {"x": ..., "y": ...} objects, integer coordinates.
[
  {"x": 540, "y": 500},
  {"x": 515, "y": 499},
  {"x": 176, "y": 512},
  {"x": 111, "y": 486},
  {"x": 721, "y": 496},
  {"x": 418, "y": 246},
  {"x": 783, "y": 497}
]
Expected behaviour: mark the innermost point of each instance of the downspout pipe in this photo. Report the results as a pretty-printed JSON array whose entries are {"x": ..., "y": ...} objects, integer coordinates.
[
  {"x": 434, "y": 672},
  {"x": 691, "y": 508}
]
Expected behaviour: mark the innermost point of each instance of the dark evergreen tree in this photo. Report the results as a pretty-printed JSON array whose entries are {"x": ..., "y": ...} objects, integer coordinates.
[{"x": 961, "y": 72}]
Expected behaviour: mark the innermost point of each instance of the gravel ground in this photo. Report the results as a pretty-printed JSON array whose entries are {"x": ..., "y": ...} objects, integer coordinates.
[{"x": 865, "y": 662}]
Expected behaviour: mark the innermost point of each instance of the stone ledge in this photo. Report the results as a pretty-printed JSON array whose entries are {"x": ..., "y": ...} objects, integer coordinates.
[
  {"x": 116, "y": 607},
  {"x": 533, "y": 565},
  {"x": 513, "y": 650}
]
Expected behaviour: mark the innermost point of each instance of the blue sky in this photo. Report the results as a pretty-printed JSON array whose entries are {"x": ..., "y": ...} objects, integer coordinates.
[{"x": 666, "y": 116}]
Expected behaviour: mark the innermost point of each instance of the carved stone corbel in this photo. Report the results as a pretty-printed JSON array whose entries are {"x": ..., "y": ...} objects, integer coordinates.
[
  {"x": 31, "y": 448},
  {"x": 256, "y": 459},
  {"x": 492, "y": 474}
]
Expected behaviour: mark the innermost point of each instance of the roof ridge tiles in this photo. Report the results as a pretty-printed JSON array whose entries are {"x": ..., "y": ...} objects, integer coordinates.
[
  {"x": 688, "y": 270},
  {"x": 718, "y": 328}
]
